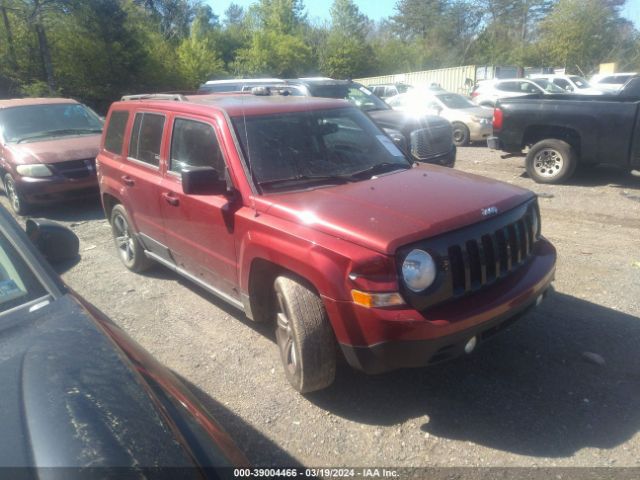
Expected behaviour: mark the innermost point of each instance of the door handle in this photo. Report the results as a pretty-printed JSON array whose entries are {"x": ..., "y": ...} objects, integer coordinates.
[
  {"x": 170, "y": 199},
  {"x": 128, "y": 181}
]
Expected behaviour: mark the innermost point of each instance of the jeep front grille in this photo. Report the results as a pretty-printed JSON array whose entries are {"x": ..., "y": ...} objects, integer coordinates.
[
  {"x": 475, "y": 257},
  {"x": 431, "y": 142}
]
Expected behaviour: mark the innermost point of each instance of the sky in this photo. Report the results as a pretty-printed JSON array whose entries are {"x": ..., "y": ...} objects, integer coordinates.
[{"x": 377, "y": 9}]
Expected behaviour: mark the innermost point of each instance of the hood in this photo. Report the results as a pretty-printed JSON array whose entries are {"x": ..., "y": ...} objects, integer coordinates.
[
  {"x": 54, "y": 151},
  {"x": 393, "y": 210},
  {"x": 452, "y": 114},
  {"x": 405, "y": 122}
]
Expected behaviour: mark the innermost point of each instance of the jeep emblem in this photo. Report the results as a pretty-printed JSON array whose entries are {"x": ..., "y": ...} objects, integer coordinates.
[{"x": 489, "y": 211}]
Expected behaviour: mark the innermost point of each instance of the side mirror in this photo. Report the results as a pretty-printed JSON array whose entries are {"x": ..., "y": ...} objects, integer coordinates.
[
  {"x": 202, "y": 181},
  {"x": 56, "y": 242}
]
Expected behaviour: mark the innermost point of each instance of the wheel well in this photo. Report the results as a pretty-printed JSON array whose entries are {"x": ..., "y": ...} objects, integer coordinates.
[
  {"x": 261, "y": 278},
  {"x": 534, "y": 134},
  {"x": 108, "y": 202}
]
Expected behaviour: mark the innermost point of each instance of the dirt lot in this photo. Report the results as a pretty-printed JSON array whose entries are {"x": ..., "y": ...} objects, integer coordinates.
[{"x": 530, "y": 397}]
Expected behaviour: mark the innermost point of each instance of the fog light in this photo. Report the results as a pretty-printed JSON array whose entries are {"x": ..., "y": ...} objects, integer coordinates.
[{"x": 470, "y": 345}]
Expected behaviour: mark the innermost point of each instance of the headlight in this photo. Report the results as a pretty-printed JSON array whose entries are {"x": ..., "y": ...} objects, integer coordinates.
[
  {"x": 418, "y": 270},
  {"x": 35, "y": 170}
]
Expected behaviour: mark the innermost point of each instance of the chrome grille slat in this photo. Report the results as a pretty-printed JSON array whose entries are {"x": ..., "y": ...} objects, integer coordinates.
[{"x": 430, "y": 142}]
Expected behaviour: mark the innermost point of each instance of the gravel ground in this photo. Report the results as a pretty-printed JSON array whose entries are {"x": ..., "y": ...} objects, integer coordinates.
[{"x": 559, "y": 388}]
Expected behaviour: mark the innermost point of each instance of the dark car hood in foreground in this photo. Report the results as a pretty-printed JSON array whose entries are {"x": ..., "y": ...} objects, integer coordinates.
[
  {"x": 60, "y": 149},
  {"x": 399, "y": 208},
  {"x": 71, "y": 398}
]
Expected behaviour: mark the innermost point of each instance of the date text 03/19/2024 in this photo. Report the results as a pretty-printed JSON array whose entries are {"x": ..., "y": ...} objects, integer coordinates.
[{"x": 315, "y": 472}]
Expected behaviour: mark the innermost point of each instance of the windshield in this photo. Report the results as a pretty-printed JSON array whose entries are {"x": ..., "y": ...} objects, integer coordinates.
[
  {"x": 36, "y": 122},
  {"x": 357, "y": 94},
  {"x": 18, "y": 284},
  {"x": 453, "y": 100},
  {"x": 580, "y": 82},
  {"x": 306, "y": 149},
  {"x": 548, "y": 86}
]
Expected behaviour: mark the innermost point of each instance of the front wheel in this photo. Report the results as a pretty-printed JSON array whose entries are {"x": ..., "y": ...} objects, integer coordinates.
[
  {"x": 551, "y": 161},
  {"x": 461, "y": 134},
  {"x": 304, "y": 335},
  {"x": 18, "y": 204},
  {"x": 129, "y": 248}
]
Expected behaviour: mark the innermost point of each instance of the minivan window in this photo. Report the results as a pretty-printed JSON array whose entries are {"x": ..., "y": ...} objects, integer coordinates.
[
  {"x": 146, "y": 138},
  {"x": 114, "y": 137},
  {"x": 194, "y": 144}
]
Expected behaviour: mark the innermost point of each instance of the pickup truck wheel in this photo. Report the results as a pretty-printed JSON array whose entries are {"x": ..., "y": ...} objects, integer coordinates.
[
  {"x": 304, "y": 336},
  {"x": 460, "y": 134},
  {"x": 18, "y": 204},
  {"x": 551, "y": 161},
  {"x": 129, "y": 249}
]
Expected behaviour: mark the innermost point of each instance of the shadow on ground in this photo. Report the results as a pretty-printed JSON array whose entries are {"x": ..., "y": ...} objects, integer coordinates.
[
  {"x": 72, "y": 211},
  {"x": 260, "y": 450},
  {"x": 529, "y": 391},
  {"x": 600, "y": 176}
]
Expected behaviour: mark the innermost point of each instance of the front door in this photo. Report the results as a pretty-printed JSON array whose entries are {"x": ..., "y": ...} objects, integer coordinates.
[{"x": 199, "y": 228}]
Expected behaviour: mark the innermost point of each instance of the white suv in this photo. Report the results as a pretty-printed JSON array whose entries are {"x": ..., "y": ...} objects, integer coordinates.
[
  {"x": 611, "y": 82},
  {"x": 569, "y": 83},
  {"x": 487, "y": 92}
]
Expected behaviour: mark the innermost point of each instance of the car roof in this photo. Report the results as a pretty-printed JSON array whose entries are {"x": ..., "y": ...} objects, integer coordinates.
[
  {"x": 242, "y": 80},
  {"x": 20, "y": 102},
  {"x": 239, "y": 104}
]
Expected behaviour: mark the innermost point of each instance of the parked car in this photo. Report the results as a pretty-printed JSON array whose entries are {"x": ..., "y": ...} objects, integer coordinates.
[
  {"x": 564, "y": 131},
  {"x": 568, "y": 83},
  {"x": 302, "y": 212},
  {"x": 76, "y": 390},
  {"x": 427, "y": 139},
  {"x": 488, "y": 92},
  {"x": 235, "y": 85},
  {"x": 611, "y": 82},
  {"x": 389, "y": 90},
  {"x": 470, "y": 122},
  {"x": 48, "y": 148}
]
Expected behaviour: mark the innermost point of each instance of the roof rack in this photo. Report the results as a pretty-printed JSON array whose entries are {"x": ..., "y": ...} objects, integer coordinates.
[
  {"x": 267, "y": 90},
  {"x": 176, "y": 97}
]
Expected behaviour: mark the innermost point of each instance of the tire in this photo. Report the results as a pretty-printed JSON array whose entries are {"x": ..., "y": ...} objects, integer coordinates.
[
  {"x": 304, "y": 336},
  {"x": 129, "y": 248},
  {"x": 551, "y": 161},
  {"x": 18, "y": 204},
  {"x": 461, "y": 134}
]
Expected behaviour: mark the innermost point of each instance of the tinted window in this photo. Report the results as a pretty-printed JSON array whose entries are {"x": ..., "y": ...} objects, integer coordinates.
[
  {"x": 146, "y": 138},
  {"x": 508, "y": 86},
  {"x": 194, "y": 144},
  {"x": 561, "y": 82},
  {"x": 617, "y": 80},
  {"x": 115, "y": 132}
]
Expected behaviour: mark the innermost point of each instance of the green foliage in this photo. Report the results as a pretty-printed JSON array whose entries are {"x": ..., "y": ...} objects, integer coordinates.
[{"x": 274, "y": 54}]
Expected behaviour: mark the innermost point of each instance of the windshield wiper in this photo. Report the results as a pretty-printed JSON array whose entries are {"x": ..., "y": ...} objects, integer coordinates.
[
  {"x": 54, "y": 133},
  {"x": 383, "y": 167},
  {"x": 307, "y": 178}
]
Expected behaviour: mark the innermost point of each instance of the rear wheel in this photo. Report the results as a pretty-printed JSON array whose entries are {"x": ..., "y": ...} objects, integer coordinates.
[
  {"x": 129, "y": 248},
  {"x": 304, "y": 335},
  {"x": 18, "y": 204},
  {"x": 551, "y": 161},
  {"x": 461, "y": 134}
]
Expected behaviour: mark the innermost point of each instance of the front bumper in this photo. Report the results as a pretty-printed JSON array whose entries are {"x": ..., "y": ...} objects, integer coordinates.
[
  {"x": 378, "y": 340},
  {"x": 446, "y": 159},
  {"x": 55, "y": 188}
]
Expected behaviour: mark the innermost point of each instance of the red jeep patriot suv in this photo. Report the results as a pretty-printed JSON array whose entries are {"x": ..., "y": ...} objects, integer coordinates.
[{"x": 301, "y": 211}]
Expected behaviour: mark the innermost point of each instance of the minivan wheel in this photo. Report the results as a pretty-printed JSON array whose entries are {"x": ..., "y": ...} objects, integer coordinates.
[
  {"x": 551, "y": 161},
  {"x": 18, "y": 204},
  {"x": 460, "y": 134},
  {"x": 129, "y": 249},
  {"x": 304, "y": 335}
]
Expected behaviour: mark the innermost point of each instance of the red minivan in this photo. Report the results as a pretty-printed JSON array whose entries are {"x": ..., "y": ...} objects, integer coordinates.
[
  {"x": 302, "y": 212},
  {"x": 48, "y": 148}
]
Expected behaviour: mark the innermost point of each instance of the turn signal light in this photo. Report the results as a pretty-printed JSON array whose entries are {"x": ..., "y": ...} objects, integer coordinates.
[{"x": 376, "y": 300}]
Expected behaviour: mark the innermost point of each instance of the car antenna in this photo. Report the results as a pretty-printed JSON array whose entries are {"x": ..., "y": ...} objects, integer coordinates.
[{"x": 246, "y": 139}]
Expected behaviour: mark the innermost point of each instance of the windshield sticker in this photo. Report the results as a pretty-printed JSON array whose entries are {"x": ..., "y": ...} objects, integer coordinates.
[
  {"x": 390, "y": 146},
  {"x": 9, "y": 290}
]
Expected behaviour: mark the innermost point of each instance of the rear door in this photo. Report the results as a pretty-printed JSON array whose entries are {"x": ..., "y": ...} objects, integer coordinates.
[
  {"x": 199, "y": 228},
  {"x": 140, "y": 178}
]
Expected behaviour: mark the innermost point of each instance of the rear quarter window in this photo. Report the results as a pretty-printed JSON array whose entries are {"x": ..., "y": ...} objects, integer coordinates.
[{"x": 114, "y": 137}]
